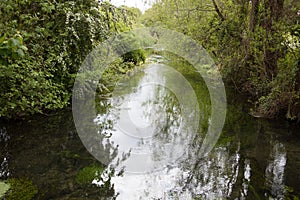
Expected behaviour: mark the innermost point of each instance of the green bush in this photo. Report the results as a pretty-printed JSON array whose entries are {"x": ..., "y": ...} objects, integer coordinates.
[
  {"x": 43, "y": 47},
  {"x": 136, "y": 56}
]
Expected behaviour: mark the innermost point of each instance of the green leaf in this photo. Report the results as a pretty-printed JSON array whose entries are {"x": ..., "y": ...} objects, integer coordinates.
[
  {"x": 2, "y": 39},
  {"x": 24, "y": 48},
  {"x": 20, "y": 52},
  {"x": 13, "y": 42}
]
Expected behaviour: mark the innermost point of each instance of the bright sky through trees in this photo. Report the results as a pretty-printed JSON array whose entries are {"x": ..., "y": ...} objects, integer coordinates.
[{"x": 141, "y": 4}]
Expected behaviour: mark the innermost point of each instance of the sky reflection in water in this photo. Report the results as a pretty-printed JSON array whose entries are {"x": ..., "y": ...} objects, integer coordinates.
[{"x": 148, "y": 123}]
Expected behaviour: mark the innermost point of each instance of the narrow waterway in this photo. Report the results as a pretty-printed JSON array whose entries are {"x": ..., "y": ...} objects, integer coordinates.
[{"x": 155, "y": 121}]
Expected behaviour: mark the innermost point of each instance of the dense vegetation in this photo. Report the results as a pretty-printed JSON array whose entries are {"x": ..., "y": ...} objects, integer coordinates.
[
  {"x": 254, "y": 43},
  {"x": 43, "y": 43},
  {"x": 256, "y": 46}
]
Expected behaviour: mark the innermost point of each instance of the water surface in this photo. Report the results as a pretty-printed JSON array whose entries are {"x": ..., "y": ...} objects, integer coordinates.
[{"x": 157, "y": 144}]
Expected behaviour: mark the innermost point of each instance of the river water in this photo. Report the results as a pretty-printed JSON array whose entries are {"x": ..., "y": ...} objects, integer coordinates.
[{"x": 157, "y": 138}]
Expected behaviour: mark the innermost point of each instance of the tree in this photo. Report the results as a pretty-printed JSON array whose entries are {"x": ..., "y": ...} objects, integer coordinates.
[
  {"x": 255, "y": 44},
  {"x": 58, "y": 35}
]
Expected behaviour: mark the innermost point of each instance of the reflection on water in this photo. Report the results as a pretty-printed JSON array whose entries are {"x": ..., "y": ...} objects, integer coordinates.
[
  {"x": 275, "y": 170},
  {"x": 156, "y": 141},
  {"x": 4, "y": 138},
  {"x": 149, "y": 124},
  {"x": 164, "y": 161},
  {"x": 212, "y": 177},
  {"x": 247, "y": 175}
]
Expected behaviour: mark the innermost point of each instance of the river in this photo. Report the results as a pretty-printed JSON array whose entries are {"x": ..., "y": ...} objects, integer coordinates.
[{"x": 156, "y": 137}]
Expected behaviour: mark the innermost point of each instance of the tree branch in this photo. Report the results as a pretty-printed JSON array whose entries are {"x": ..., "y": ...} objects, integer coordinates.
[{"x": 218, "y": 10}]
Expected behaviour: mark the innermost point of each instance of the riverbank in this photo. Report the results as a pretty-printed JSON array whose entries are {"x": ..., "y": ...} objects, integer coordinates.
[{"x": 258, "y": 156}]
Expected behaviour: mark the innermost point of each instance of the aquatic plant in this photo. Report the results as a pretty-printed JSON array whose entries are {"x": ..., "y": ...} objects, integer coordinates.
[
  {"x": 86, "y": 175},
  {"x": 20, "y": 189}
]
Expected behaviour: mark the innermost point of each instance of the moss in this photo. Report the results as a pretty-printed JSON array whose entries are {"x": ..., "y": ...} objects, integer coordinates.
[
  {"x": 4, "y": 187},
  {"x": 86, "y": 175},
  {"x": 21, "y": 189}
]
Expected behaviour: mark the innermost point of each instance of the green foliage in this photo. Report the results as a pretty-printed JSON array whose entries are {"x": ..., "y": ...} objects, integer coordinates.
[
  {"x": 133, "y": 14},
  {"x": 290, "y": 194},
  {"x": 25, "y": 86},
  {"x": 135, "y": 56},
  {"x": 283, "y": 92},
  {"x": 21, "y": 189},
  {"x": 4, "y": 187},
  {"x": 86, "y": 175},
  {"x": 123, "y": 44},
  {"x": 128, "y": 45},
  {"x": 26, "y": 90},
  {"x": 255, "y": 46},
  {"x": 12, "y": 48},
  {"x": 43, "y": 47}
]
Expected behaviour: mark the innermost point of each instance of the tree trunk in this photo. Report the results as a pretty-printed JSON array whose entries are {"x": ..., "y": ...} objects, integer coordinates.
[{"x": 273, "y": 13}]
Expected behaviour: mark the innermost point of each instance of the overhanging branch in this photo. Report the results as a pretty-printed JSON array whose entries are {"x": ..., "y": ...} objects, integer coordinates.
[{"x": 218, "y": 10}]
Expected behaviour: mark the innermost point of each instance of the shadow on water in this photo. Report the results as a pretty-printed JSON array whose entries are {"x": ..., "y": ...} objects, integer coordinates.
[
  {"x": 253, "y": 159},
  {"x": 48, "y": 152}
]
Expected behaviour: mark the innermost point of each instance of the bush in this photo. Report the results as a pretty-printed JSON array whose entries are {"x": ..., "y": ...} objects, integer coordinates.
[
  {"x": 43, "y": 48},
  {"x": 136, "y": 56}
]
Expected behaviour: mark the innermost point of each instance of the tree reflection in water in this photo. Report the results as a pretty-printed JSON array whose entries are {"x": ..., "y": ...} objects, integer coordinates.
[
  {"x": 148, "y": 125},
  {"x": 275, "y": 170}
]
